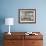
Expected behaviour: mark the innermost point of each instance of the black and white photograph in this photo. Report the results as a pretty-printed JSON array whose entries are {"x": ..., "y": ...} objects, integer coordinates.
[{"x": 27, "y": 15}]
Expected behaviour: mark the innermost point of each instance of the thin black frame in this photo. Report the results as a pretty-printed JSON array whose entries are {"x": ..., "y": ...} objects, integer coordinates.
[{"x": 27, "y": 21}]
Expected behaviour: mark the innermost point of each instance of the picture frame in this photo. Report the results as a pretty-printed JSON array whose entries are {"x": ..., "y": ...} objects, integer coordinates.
[{"x": 27, "y": 15}]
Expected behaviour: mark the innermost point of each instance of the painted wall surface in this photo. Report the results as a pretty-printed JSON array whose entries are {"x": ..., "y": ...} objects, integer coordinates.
[{"x": 9, "y": 8}]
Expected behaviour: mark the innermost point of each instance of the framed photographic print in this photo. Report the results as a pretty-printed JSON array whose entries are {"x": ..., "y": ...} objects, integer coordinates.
[{"x": 27, "y": 15}]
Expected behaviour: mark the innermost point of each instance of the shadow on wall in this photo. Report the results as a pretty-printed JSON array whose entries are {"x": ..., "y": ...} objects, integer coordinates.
[{"x": 2, "y": 21}]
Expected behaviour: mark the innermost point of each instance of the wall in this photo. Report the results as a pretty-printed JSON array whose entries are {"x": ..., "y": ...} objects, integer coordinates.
[{"x": 9, "y": 8}]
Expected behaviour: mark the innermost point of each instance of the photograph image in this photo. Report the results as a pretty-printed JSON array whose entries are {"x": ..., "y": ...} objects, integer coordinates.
[{"x": 27, "y": 15}]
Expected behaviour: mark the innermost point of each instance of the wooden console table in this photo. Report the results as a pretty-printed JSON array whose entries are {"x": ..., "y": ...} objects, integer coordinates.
[{"x": 20, "y": 39}]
